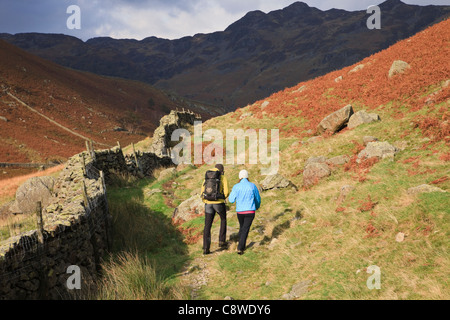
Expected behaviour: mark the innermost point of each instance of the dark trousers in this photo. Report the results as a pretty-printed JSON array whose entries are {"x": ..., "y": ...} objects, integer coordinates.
[
  {"x": 245, "y": 222},
  {"x": 210, "y": 213}
]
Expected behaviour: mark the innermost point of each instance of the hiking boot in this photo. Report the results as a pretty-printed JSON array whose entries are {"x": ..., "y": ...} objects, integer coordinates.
[
  {"x": 240, "y": 252},
  {"x": 206, "y": 252}
]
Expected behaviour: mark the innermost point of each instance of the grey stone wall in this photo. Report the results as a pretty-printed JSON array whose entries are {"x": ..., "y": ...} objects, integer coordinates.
[
  {"x": 76, "y": 231},
  {"x": 76, "y": 228}
]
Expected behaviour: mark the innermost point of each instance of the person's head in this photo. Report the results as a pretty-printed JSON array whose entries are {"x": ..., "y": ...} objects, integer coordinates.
[
  {"x": 220, "y": 168},
  {"x": 243, "y": 174}
]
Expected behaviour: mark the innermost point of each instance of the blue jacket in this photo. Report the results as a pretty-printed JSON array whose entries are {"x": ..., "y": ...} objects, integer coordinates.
[{"x": 246, "y": 196}]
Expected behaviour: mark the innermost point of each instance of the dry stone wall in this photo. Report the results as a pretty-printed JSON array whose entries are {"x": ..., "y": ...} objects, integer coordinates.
[
  {"x": 74, "y": 228},
  {"x": 75, "y": 231}
]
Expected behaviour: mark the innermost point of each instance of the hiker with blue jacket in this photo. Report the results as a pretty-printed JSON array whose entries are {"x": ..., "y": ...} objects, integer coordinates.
[{"x": 248, "y": 200}]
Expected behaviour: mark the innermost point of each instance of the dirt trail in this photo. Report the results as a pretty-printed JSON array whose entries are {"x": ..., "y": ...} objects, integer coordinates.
[{"x": 54, "y": 122}]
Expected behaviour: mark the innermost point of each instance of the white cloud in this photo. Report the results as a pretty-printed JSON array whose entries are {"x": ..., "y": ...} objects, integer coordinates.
[
  {"x": 172, "y": 22},
  {"x": 139, "y": 19}
]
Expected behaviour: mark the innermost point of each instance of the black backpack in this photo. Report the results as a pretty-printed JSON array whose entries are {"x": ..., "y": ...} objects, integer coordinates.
[{"x": 212, "y": 186}]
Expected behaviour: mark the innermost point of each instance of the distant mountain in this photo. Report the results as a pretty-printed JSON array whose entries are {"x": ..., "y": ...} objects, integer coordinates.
[
  {"x": 48, "y": 111},
  {"x": 254, "y": 57}
]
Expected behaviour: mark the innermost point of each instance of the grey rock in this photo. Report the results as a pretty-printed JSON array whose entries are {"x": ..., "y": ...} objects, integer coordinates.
[
  {"x": 362, "y": 117},
  {"x": 380, "y": 150},
  {"x": 265, "y": 105},
  {"x": 276, "y": 181},
  {"x": 336, "y": 121},
  {"x": 400, "y": 237},
  {"x": 33, "y": 190},
  {"x": 319, "y": 159},
  {"x": 398, "y": 67},
  {"x": 314, "y": 172},
  {"x": 189, "y": 208}
]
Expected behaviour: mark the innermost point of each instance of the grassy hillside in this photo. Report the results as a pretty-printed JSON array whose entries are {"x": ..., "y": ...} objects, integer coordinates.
[{"x": 313, "y": 236}]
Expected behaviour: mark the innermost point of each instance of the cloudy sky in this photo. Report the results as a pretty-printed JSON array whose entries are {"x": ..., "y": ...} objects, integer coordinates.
[{"x": 138, "y": 19}]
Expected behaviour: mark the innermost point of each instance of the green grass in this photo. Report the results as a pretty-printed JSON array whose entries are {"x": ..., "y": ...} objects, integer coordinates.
[
  {"x": 300, "y": 236},
  {"x": 148, "y": 251}
]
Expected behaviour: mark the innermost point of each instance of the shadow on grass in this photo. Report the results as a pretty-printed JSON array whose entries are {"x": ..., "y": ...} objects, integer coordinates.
[
  {"x": 280, "y": 228},
  {"x": 147, "y": 250}
]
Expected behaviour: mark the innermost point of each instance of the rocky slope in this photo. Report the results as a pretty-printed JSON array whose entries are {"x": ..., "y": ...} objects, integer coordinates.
[{"x": 254, "y": 57}]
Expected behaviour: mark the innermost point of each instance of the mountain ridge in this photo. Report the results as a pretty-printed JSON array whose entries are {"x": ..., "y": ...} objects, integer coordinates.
[{"x": 255, "y": 56}]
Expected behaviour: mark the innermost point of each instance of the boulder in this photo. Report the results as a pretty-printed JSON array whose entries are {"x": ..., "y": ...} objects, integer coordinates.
[
  {"x": 33, "y": 190},
  {"x": 336, "y": 121},
  {"x": 189, "y": 209},
  {"x": 380, "y": 150},
  {"x": 276, "y": 181},
  {"x": 315, "y": 172},
  {"x": 398, "y": 67},
  {"x": 362, "y": 117},
  {"x": 424, "y": 188},
  {"x": 167, "y": 173}
]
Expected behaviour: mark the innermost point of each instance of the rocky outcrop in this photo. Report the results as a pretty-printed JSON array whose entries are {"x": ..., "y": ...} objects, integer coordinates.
[
  {"x": 362, "y": 117},
  {"x": 336, "y": 121},
  {"x": 163, "y": 134}
]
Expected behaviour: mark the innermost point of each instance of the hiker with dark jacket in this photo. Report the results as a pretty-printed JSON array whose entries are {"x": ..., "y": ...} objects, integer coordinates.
[
  {"x": 214, "y": 192},
  {"x": 248, "y": 200}
]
